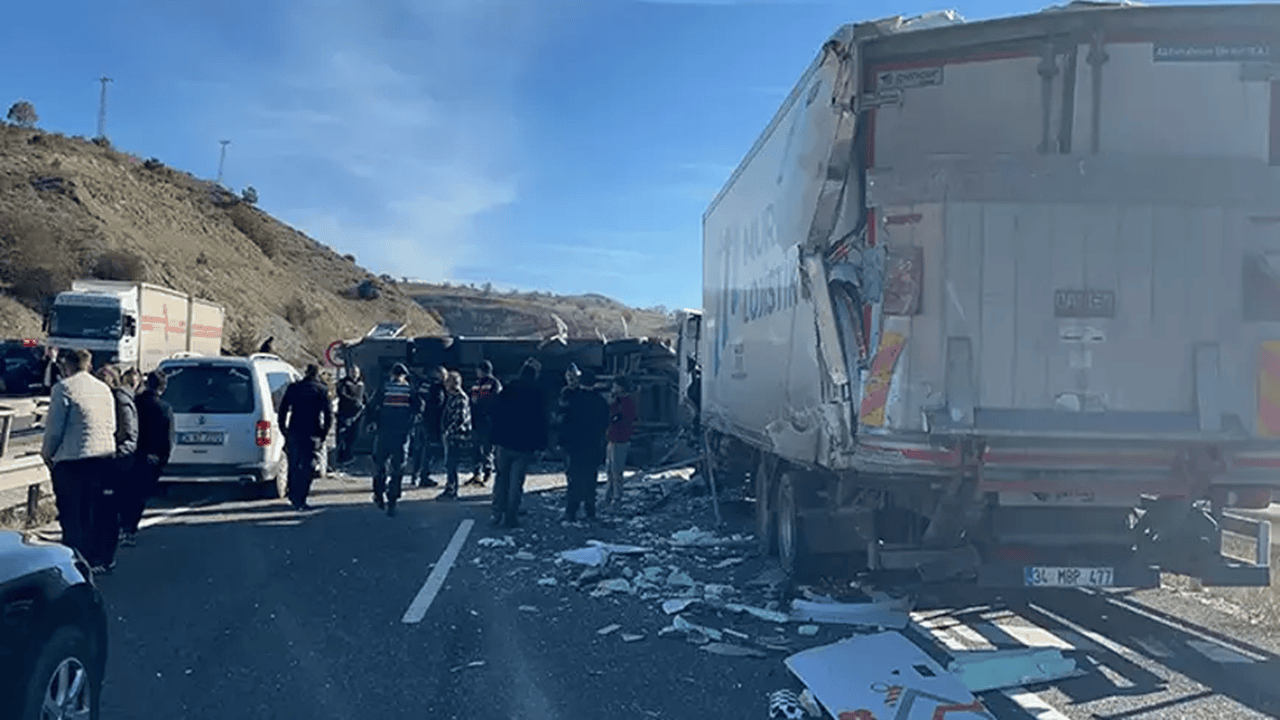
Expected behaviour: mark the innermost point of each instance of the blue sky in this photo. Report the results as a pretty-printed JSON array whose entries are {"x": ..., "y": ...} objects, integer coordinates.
[{"x": 564, "y": 145}]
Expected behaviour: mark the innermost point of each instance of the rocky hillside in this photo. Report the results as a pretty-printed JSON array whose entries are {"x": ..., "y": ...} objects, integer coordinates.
[
  {"x": 480, "y": 312},
  {"x": 72, "y": 208}
]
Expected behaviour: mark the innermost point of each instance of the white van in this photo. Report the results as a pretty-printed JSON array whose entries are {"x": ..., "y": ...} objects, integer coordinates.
[{"x": 224, "y": 411}]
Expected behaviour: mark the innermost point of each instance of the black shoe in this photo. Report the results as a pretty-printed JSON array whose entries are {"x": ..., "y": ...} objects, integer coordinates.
[
  {"x": 391, "y": 509},
  {"x": 377, "y": 500}
]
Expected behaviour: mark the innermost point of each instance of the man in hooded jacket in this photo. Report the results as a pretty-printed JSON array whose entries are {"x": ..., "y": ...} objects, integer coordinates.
[{"x": 306, "y": 416}]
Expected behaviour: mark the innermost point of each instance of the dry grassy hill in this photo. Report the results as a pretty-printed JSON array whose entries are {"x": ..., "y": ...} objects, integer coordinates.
[
  {"x": 71, "y": 208},
  {"x": 478, "y": 312}
]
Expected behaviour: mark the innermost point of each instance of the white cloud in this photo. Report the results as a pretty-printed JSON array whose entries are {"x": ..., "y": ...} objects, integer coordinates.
[{"x": 393, "y": 151}]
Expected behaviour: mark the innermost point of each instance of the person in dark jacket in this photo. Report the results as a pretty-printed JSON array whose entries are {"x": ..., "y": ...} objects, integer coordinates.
[
  {"x": 155, "y": 444},
  {"x": 105, "y": 537},
  {"x": 456, "y": 430},
  {"x": 483, "y": 393},
  {"x": 582, "y": 436},
  {"x": 520, "y": 420},
  {"x": 305, "y": 416},
  {"x": 351, "y": 397},
  {"x": 392, "y": 410},
  {"x": 428, "y": 440}
]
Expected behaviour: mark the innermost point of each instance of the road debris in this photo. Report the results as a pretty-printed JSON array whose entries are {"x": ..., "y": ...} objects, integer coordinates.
[
  {"x": 528, "y": 609},
  {"x": 607, "y": 629},
  {"x": 728, "y": 562},
  {"x": 680, "y": 578},
  {"x": 492, "y": 542},
  {"x": 808, "y": 630},
  {"x": 731, "y": 650},
  {"x": 597, "y": 553},
  {"x": 785, "y": 705},
  {"x": 629, "y": 638},
  {"x": 525, "y": 555},
  {"x": 983, "y": 670},
  {"x": 885, "y": 613},
  {"x": 678, "y": 605},
  {"x": 882, "y": 669},
  {"x": 773, "y": 616},
  {"x": 548, "y": 581}
]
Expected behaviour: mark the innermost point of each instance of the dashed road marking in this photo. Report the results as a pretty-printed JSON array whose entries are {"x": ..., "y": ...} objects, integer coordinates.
[
  {"x": 418, "y": 608},
  {"x": 1218, "y": 653}
]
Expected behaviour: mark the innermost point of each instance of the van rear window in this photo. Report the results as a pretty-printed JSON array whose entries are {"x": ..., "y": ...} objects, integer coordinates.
[{"x": 209, "y": 389}]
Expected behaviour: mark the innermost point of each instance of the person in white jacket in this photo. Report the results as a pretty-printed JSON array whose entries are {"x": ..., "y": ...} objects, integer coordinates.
[{"x": 79, "y": 446}]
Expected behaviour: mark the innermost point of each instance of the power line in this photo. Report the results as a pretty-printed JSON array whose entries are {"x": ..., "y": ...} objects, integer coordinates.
[
  {"x": 222, "y": 159},
  {"x": 102, "y": 107}
]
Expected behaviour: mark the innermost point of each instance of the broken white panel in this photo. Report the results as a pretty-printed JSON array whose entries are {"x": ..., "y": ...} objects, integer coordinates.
[
  {"x": 763, "y": 614},
  {"x": 883, "y": 675},
  {"x": 678, "y": 605},
  {"x": 981, "y": 671},
  {"x": 894, "y": 613},
  {"x": 597, "y": 553},
  {"x": 731, "y": 650}
]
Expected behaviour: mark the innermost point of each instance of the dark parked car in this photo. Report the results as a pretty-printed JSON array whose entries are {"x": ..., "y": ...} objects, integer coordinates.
[
  {"x": 53, "y": 632},
  {"x": 24, "y": 368}
]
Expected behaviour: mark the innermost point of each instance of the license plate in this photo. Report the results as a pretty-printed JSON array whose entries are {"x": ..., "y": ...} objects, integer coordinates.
[
  {"x": 201, "y": 438},
  {"x": 1070, "y": 576}
]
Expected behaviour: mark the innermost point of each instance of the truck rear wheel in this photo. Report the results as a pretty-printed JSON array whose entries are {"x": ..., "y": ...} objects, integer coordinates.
[
  {"x": 766, "y": 507},
  {"x": 793, "y": 551}
]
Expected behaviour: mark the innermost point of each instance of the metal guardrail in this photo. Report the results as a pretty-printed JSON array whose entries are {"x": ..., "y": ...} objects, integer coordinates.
[
  {"x": 27, "y": 471},
  {"x": 1251, "y": 528}
]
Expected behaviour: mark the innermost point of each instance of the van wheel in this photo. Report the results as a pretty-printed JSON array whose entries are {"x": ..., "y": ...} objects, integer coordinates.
[
  {"x": 766, "y": 508},
  {"x": 792, "y": 550}
]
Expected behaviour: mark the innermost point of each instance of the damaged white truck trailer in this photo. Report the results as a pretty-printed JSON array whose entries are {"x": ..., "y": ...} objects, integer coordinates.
[{"x": 1002, "y": 298}]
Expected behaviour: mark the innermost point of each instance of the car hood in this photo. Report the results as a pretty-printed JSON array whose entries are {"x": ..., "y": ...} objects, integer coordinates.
[{"x": 24, "y": 553}]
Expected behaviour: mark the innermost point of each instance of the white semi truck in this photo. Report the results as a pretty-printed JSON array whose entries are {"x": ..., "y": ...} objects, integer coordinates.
[
  {"x": 133, "y": 324},
  {"x": 1001, "y": 299}
]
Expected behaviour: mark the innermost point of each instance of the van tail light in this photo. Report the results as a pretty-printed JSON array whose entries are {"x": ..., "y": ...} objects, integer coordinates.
[{"x": 262, "y": 433}]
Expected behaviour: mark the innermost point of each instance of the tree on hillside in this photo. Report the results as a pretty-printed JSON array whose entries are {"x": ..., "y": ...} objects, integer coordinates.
[
  {"x": 23, "y": 114},
  {"x": 250, "y": 195},
  {"x": 487, "y": 288}
]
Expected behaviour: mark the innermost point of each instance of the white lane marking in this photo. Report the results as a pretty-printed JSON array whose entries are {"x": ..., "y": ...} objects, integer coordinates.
[
  {"x": 1101, "y": 641},
  {"x": 1218, "y": 653},
  {"x": 1154, "y": 647},
  {"x": 1035, "y": 705},
  {"x": 157, "y": 518},
  {"x": 1133, "y": 607},
  {"x": 418, "y": 608}
]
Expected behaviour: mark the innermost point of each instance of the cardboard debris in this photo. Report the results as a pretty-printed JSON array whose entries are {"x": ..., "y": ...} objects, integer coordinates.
[
  {"x": 679, "y": 605},
  {"x": 607, "y": 629},
  {"x": 984, "y": 670},
  {"x": 766, "y": 615},
  {"x": 884, "y": 669},
  {"x": 730, "y": 650},
  {"x": 891, "y": 613}
]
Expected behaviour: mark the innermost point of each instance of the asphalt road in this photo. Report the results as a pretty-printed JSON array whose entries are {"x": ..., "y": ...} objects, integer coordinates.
[{"x": 247, "y": 609}]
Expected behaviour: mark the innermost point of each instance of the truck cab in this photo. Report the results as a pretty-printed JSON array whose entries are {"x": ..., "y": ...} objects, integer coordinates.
[{"x": 102, "y": 320}]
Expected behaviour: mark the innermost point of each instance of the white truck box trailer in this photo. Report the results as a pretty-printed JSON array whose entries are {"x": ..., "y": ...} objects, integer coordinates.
[
  {"x": 130, "y": 324},
  {"x": 1003, "y": 298},
  {"x": 205, "y": 326}
]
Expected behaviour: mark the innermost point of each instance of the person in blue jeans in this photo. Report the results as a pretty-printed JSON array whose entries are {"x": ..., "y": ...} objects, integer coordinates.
[
  {"x": 392, "y": 410},
  {"x": 456, "y": 429},
  {"x": 520, "y": 425}
]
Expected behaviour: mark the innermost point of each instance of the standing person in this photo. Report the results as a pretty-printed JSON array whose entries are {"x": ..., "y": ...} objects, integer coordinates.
[
  {"x": 520, "y": 419},
  {"x": 456, "y": 429},
  {"x": 430, "y": 443},
  {"x": 305, "y": 415},
  {"x": 155, "y": 444},
  {"x": 582, "y": 435},
  {"x": 622, "y": 425},
  {"x": 483, "y": 393},
  {"x": 79, "y": 445},
  {"x": 115, "y": 480},
  {"x": 351, "y": 398},
  {"x": 392, "y": 409}
]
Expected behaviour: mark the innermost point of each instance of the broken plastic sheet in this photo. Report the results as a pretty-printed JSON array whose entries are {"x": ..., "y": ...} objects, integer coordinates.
[
  {"x": 882, "y": 613},
  {"x": 983, "y": 670},
  {"x": 597, "y": 553},
  {"x": 883, "y": 675}
]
